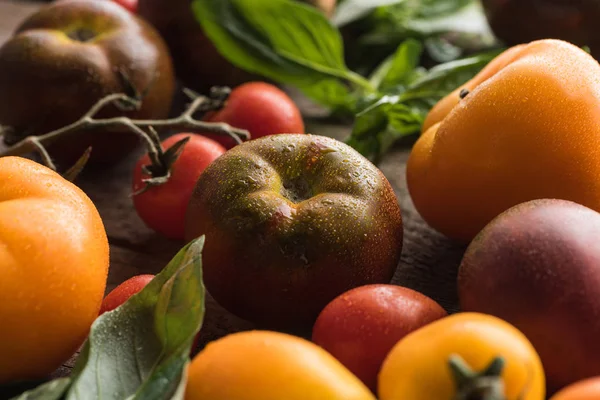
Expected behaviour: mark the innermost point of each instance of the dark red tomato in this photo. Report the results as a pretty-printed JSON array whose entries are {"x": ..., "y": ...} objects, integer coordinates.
[
  {"x": 361, "y": 326},
  {"x": 123, "y": 292},
  {"x": 163, "y": 207},
  {"x": 260, "y": 108}
]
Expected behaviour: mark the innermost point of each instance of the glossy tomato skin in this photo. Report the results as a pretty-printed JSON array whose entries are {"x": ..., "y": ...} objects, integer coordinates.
[
  {"x": 417, "y": 367},
  {"x": 54, "y": 260},
  {"x": 260, "y": 108},
  {"x": 587, "y": 389},
  {"x": 361, "y": 326},
  {"x": 124, "y": 291},
  {"x": 291, "y": 222},
  {"x": 266, "y": 365},
  {"x": 163, "y": 208}
]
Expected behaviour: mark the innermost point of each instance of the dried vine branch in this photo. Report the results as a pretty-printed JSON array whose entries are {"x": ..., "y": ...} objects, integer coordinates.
[{"x": 143, "y": 128}]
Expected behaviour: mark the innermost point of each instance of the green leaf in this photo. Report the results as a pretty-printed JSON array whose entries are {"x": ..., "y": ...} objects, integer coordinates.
[
  {"x": 141, "y": 349},
  {"x": 400, "y": 67},
  {"x": 53, "y": 390},
  {"x": 379, "y": 126},
  {"x": 284, "y": 40},
  {"x": 352, "y": 10},
  {"x": 332, "y": 94},
  {"x": 392, "y": 117},
  {"x": 444, "y": 78}
]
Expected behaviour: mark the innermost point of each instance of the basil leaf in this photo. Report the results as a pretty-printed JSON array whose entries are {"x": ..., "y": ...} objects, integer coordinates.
[
  {"x": 444, "y": 78},
  {"x": 283, "y": 40},
  {"x": 400, "y": 67},
  {"x": 379, "y": 126},
  {"x": 141, "y": 349},
  {"x": 53, "y": 390},
  {"x": 352, "y": 10},
  {"x": 332, "y": 94},
  {"x": 394, "y": 116}
]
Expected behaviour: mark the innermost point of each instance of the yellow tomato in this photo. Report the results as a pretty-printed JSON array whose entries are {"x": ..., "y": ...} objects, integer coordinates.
[
  {"x": 418, "y": 367},
  {"x": 53, "y": 268},
  {"x": 264, "y": 365}
]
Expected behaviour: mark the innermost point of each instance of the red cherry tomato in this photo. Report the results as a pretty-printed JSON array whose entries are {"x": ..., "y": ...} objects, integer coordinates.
[
  {"x": 361, "y": 326},
  {"x": 163, "y": 207},
  {"x": 130, "y": 5},
  {"x": 123, "y": 292},
  {"x": 260, "y": 108}
]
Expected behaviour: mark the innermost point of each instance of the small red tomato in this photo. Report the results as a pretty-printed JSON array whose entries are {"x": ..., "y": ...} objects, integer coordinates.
[
  {"x": 361, "y": 326},
  {"x": 163, "y": 207},
  {"x": 260, "y": 108},
  {"x": 123, "y": 292},
  {"x": 130, "y": 5}
]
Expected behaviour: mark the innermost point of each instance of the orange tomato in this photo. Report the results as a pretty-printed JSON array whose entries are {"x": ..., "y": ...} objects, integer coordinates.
[
  {"x": 418, "y": 367},
  {"x": 53, "y": 268},
  {"x": 587, "y": 389},
  {"x": 529, "y": 128},
  {"x": 264, "y": 365}
]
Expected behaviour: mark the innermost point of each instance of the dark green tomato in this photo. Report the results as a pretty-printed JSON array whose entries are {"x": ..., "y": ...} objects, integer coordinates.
[
  {"x": 291, "y": 222},
  {"x": 521, "y": 21},
  {"x": 62, "y": 59}
]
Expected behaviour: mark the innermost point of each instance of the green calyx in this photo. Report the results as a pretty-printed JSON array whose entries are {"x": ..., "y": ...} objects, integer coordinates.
[{"x": 472, "y": 385}]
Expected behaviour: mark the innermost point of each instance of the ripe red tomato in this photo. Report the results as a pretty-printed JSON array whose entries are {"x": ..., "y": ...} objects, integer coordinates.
[
  {"x": 163, "y": 208},
  {"x": 361, "y": 326},
  {"x": 130, "y": 5},
  {"x": 260, "y": 108},
  {"x": 124, "y": 291}
]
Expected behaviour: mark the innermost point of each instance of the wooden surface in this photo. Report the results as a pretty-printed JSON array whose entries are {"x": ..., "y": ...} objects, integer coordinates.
[{"x": 429, "y": 261}]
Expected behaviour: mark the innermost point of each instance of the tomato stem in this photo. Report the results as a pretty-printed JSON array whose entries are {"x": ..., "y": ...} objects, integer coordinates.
[
  {"x": 472, "y": 385},
  {"x": 142, "y": 128}
]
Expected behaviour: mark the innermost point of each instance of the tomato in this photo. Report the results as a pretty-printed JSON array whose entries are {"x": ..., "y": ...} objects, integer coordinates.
[
  {"x": 163, "y": 207},
  {"x": 260, "y": 108},
  {"x": 362, "y": 325},
  {"x": 587, "y": 389},
  {"x": 418, "y": 367},
  {"x": 287, "y": 215},
  {"x": 130, "y": 5},
  {"x": 265, "y": 365},
  {"x": 124, "y": 291},
  {"x": 54, "y": 260}
]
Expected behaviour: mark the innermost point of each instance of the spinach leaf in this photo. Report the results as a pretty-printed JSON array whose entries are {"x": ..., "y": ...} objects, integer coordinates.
[
  {"x": 143, "y": 346},
  {"x": 284, "y": 40}
]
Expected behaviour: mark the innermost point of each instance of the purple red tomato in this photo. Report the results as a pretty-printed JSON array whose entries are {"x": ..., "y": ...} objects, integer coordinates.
[{"x": 361, "y": 326}]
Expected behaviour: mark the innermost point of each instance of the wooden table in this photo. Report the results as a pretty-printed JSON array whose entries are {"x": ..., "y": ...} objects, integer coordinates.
[{"x": 429, "y": 261}]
